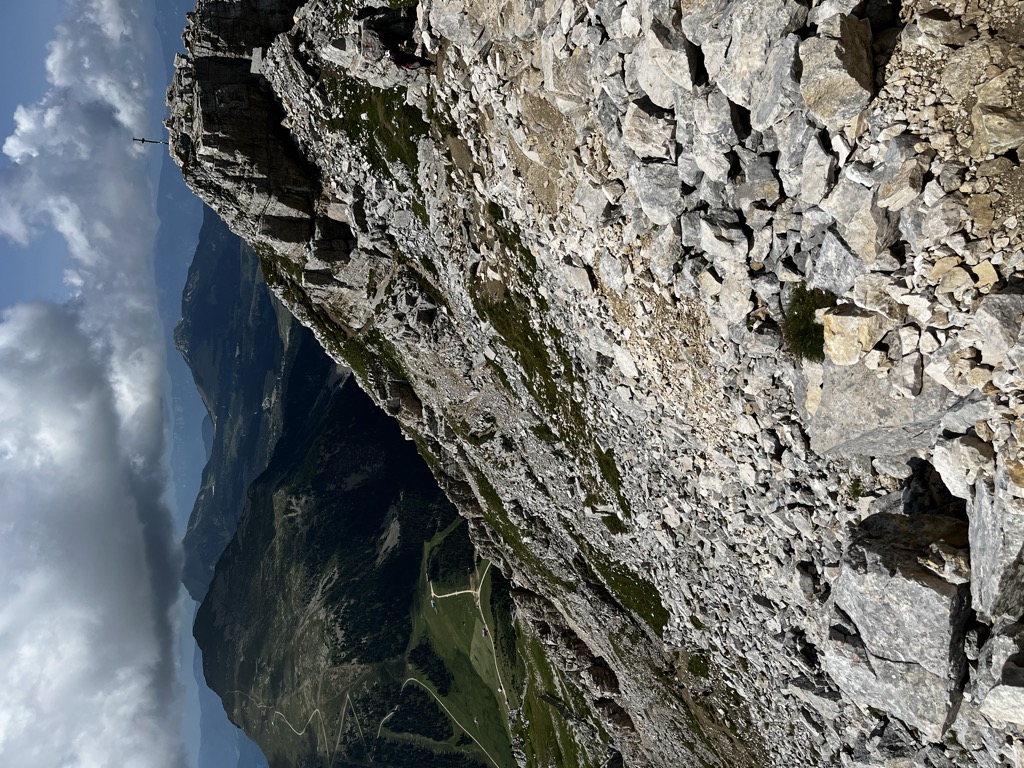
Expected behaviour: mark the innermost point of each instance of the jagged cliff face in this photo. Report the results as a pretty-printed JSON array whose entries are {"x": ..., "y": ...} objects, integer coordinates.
[{"x": 564, "y": 259}]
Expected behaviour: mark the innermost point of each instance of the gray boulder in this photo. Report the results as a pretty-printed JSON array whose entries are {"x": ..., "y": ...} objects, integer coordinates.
[
  {"x": 997, "y": 546},
  {"x": 858, "y": 415},
  {"x": 926, "y": 226},
  {"x": 995, "y": 326},
  {"x": 834, "y": 266},
  {"x": 902, "y": 173},
  {"x": 752, "y": 29},
  {"x": 672, "y": 54},
  {"x": 998, "y": 116},
  {"x": 776, "y": 92},
  {"x": 818, "y": 173},
  {"x": 659, "y": 190},
  {"x": 714, "y": 134},
  {"x": 838, "y": 73},
  {"x": 1000, "y": 682},
  {"x": 961, "y": 462},
  {"x": 663, "y": 253},
  {"x": 647, "y": 133},
  {"x": 897, "y": 639},
  {"x": 867, "y": 228}
]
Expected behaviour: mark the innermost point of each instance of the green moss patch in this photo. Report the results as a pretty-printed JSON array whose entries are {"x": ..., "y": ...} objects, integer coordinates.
[{"x": 804, "y": 337}]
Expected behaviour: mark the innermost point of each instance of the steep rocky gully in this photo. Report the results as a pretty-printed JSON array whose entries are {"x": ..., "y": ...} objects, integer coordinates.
[{"x": 579, "y": 257}]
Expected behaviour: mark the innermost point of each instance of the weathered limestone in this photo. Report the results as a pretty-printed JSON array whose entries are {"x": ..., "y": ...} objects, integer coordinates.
[
  {"x": 647, "y": 134},
  {"x": 834, "y": 267},
  {"x": 998, "y": 115},
  {"x": 850, "y": 332},
  {"x": 866, "y": 227},
  {"x": 961, "y": 461},
  {"x": 902, "y": 648},
  {"x": 838, "y": 71},
  {"x": 1000, "y": 684},
  {"x": 995, "y": 326},
  {"x": 997, "y": 546}
]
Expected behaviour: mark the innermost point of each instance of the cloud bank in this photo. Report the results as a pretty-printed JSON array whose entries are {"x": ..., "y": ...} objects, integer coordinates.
[
  {"x": 84, "y": 671},
  {"x": 87, "y": 551}
]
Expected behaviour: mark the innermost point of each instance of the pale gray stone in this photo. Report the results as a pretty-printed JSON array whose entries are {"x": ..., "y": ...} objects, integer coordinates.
[
  {"x": 818, "y": 171},
  {"x": 906, "y": 691},
  {"x": 903, "y": 609},
  {"x": 907, "y": 375},
  {"x": 714, "y": 134},
  {"x": 650, "y": 75},
  {"x": 961, "y": 462},
  {"x": 859, "y": 416},
  {"x": 829, "y": 8},
  {"x": 926, "y": 226},
  {"x": 833, "y": 266},
  {"x": 1005, "y": 702},
  {"x": 824, "y": 700},
  {"x": 663, "y": 253},
  {"x": 1004, "y": 641},
  {"x": 672, "y": 53},
  {"x": 648, "y": 134},
  {"x": 612, "y": 273},
  {"x": 568, "y": 77},
  {"x": 838, "y": 73},
  {"x": 590, "y": 200},
  {"x": 965, "y": 412},
  {"x": 995, "y": 326},
  {"x": 776, "y": 92},
  {"x": 997, "y": 547},
  {"x": 938, "y": 25},
  {"x": 792, "y": 134},
  {"x": 902, "y": 173},
  {"x": 1000, "y": 681},
  {"x": 759, "y": 184},
  {"x": 997, "y": 115},
  {"x": 659, "y": 190},
  {"x": 724, "y": 244},
  {"x": 904, "y": 643},
  {"x": 751, "y": 30},
  {"x": 578, "y": 278},
  {"x": 735, "y": 296},
  {"x": 866, "y": 228},
  {"x": 624, "y": 360},
  {"x": 449, "y": 21}
]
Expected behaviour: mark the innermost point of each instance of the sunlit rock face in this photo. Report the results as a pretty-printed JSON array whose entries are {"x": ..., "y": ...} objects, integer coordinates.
[{"x": 573, "y": 258}]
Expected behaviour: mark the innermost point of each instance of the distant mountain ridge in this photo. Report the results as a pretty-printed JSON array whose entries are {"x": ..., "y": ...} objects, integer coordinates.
[{"x": 237, "y": 341}]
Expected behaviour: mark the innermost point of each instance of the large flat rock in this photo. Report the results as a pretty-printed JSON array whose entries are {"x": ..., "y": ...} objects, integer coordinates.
[{"x": 901, "y": 603}]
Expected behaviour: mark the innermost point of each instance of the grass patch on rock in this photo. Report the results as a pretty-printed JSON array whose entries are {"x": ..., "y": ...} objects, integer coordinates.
[{"x": 805, "y": 338}]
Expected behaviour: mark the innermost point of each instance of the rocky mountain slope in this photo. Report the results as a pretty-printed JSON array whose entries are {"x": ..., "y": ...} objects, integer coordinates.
[
  {"x": 329, "y": 536},
  {"x": 574, "y": 259},
  {"x": 315, "y": 617}
]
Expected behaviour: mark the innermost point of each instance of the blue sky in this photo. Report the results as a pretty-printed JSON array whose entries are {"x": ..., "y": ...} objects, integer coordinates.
[
  {"x": 95, "y": 648},
  {"x": 25, "y": 30}
]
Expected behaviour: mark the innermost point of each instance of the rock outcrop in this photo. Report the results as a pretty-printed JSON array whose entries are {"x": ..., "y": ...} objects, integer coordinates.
[
  {"x": 564, "y": 257},
  {"x": 901, "y": 604}
]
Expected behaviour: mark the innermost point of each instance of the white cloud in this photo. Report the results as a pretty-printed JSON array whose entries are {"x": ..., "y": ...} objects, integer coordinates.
[
  {"x": 87, "y": 551},
  {"x": 85, "y": 671}
]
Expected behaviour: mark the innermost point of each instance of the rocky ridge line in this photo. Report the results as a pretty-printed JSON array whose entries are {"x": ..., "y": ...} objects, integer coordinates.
[{"x": 571, "y": 295}]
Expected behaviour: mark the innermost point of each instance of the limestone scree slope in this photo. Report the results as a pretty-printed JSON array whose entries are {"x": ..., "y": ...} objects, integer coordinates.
[{"x": 706, "y": 314}]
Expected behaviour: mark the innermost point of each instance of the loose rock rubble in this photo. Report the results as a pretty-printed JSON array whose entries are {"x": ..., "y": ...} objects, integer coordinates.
[{"x": 577, "y": 280}]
